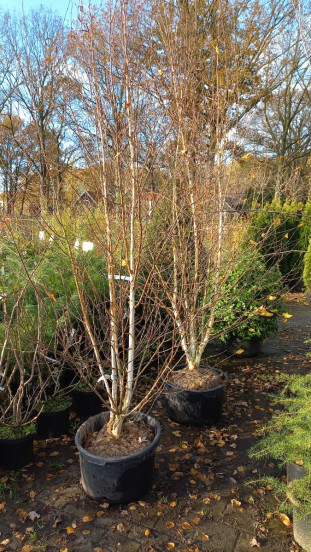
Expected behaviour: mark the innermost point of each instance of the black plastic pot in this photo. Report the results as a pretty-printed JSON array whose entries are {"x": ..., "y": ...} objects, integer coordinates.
[
  {"x": 251, "y": 348},
  {"x": 16, "y": 453},
  {"x": 295, "y": 284},
  {"x": 53, "y": 424},
  {"x": 301, "y": 525},
  {"x": 86, "y": 403},
  {"x": 194, "y": 407},
  {"x": 116, "y": 480},
  {"x": 68, "y": 378}
]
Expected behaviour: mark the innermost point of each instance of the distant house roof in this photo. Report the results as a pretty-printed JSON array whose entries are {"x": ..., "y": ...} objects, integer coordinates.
[{"x": 88, "y": 198}]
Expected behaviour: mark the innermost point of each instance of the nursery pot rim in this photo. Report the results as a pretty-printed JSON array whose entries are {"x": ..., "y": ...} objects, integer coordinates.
[
  {"x": 218, "y": 370},
  {"x": 96, "y": 459}
]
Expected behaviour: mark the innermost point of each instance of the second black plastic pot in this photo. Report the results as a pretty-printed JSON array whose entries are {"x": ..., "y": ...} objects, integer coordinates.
[
  {"x": 16, "y": 453},
  {"x": 116, "y": 480},
  {"x": 86, "y": 403},
  {"x": 53, "y": 424},
  {"x": 194, "y": 407},
  {"x": 251, "y": 348}
]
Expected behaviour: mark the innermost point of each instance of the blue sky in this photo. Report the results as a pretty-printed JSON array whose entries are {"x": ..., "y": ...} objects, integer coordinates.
[{"x": 64, "y": 8}]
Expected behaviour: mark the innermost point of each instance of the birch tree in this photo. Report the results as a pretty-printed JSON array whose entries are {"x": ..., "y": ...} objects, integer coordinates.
[
  {"x": 204, "y": 243},
  {"x": 110, "y": 114}
]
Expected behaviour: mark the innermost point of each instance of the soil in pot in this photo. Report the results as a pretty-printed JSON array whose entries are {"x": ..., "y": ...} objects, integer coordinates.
[
  {"x": 118, "y": 479},
  {"x": 16, "y": 453},
  {"x": 200, "y": 403},
  {"x": 201, "y": 379},
  {"x": 135, "y": 437}
]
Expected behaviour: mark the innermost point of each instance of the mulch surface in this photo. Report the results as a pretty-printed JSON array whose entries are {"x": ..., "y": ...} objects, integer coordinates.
[
  {"x": 136, "y": 436},
  {"x": 199, "y": 502}
]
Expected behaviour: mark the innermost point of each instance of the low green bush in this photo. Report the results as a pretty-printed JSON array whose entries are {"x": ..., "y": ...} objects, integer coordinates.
[
  {"x": 286, "y": 438},
  {"x": 277, "y": 229},
  {"x": 307, "y": 269},
  {"x": 251, "y": 301},
  {"x": 11, "y": 431},
  {"x": 57, "y": 404}
]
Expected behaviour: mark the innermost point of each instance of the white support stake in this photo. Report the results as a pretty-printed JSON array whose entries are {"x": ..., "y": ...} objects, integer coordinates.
[{"x": 120, "y": 277}]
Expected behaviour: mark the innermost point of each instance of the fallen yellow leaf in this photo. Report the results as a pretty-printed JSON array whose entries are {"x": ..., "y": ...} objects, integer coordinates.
[
  {"x": 235, "y": 502},
  {"x": 147, "y": 533},
  {"x": 186, "y": 525},
  {"x": 216, "y": 496},
  {"x": 27, "y": 548},
  {"x": 286, "y": 236},
  {"x": 70, "y": 530},
  {"x": 205, "y": 538},
  {"x": 239, "y": 352},
  {"x": 286, "y": 315},
  {"x": 170, "y": 524},
  {"x": 271, "y": 298},
  {"x": 170, "y": 546},
  {"x": 122, "y": 527},
  {"x": 87, "y": 518},
  {"x": 285, "y": 519}
]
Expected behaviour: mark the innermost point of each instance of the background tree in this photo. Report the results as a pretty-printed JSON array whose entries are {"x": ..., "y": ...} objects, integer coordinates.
[
  {"x": 278, "y": 129},
  {"x": 37, "y": 41}
]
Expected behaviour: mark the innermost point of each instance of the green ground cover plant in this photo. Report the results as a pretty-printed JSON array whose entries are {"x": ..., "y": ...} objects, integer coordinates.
[{"x": 286, "y": 438}]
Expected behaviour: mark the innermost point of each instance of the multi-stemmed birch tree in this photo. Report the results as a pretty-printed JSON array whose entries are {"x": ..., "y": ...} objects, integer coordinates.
[
  {"x": 205, "y": 244},
  {"x": 111, "y": 111}
]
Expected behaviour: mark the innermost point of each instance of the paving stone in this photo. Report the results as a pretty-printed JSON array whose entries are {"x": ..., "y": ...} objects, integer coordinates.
[
  {"x": 243, "y": 543},
  {"x": 241, "y": 520},
  {"x": 214, "y": 508},
  {"x": 222, "y": 537},
  {"x": 112, "y": 542}
]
